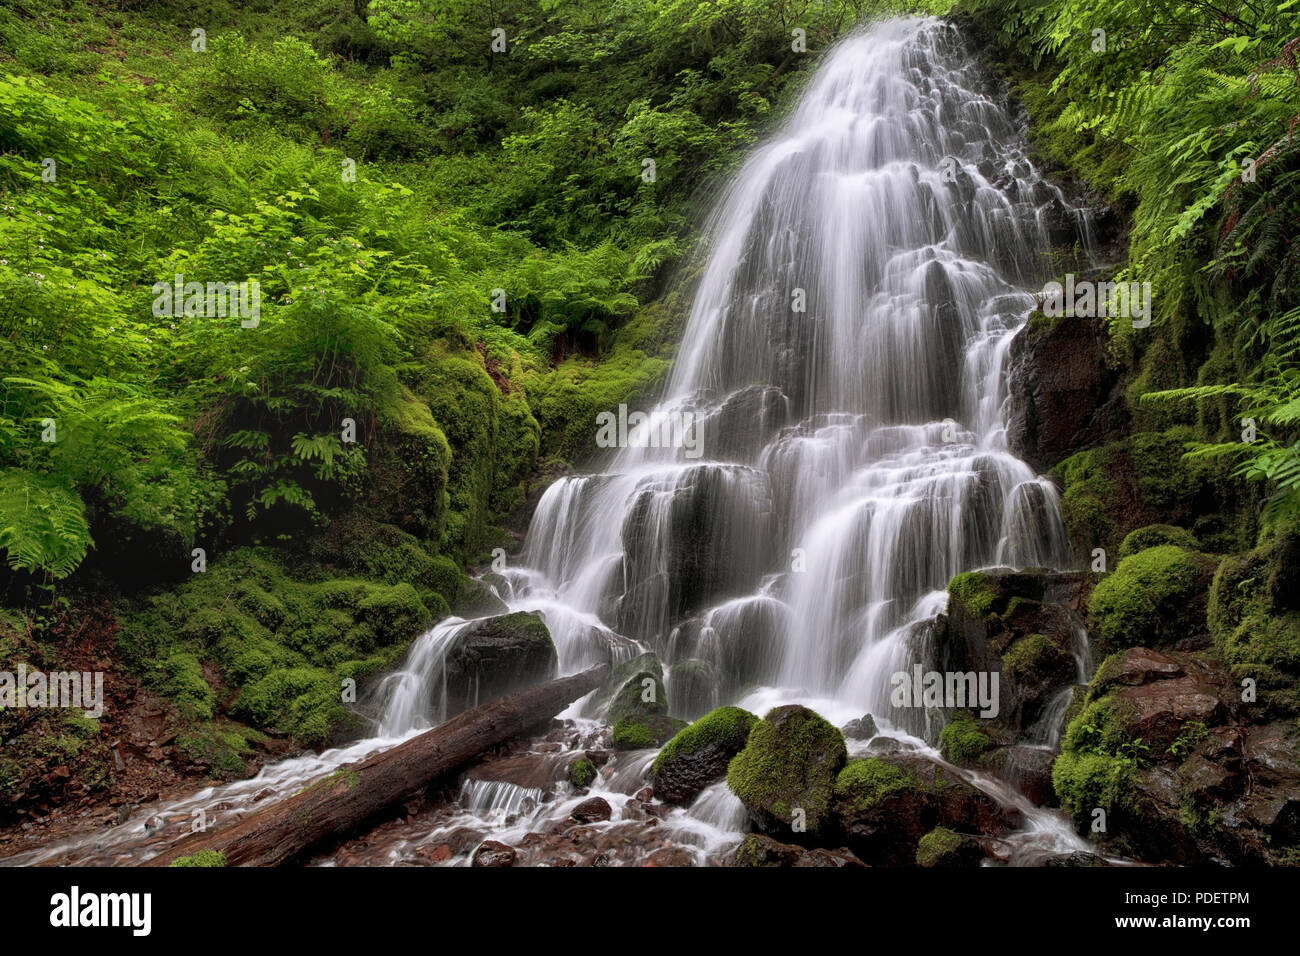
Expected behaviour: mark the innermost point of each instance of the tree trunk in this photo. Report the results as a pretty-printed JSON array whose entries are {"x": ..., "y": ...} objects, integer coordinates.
[{"x": 357, "y": 792}]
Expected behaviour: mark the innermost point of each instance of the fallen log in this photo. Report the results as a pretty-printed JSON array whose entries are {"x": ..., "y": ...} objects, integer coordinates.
[{"x": 359, "y": 791}]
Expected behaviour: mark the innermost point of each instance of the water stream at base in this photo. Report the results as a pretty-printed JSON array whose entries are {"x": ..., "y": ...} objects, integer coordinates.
[{"x": 845, "y": 358}]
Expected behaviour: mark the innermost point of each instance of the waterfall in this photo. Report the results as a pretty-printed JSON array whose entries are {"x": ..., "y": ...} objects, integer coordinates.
[{"x": 844, "y": 361}]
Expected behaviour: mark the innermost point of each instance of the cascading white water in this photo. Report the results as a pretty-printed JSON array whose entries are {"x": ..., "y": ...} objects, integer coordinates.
[{"x": 845, "y": 359}]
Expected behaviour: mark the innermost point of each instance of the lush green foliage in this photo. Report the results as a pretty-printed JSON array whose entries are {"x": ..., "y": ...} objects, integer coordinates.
[{"x": 1184, "y": 115}]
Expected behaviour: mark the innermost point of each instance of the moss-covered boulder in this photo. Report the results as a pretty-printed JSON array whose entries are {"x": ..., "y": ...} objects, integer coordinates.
[
  {"x": 1254, "y": 618},
  {"x": 582, "y": 772},
  {"x": 963, "y": 741},
  {"x": 1143, "y": 480},
  {"x": 1021, "y": 625},
  {"x": 700, "y": 754},
  {"x": 785, "y": 775},
  {"x": 1154, "y": 535},
  {"x": 1034, "y": 668},
  {"x": 1166, "y": 763},
  {"x": 634, "y": 687},
  {"x": 495, "y": 655},
  {"x": 640, "y": 731},
  {"x": 942, "y": 847},
  {"x": 1153, "y": 598},
  {"x": 478, "y": 600},
  {"x": 884, "y": 805}
]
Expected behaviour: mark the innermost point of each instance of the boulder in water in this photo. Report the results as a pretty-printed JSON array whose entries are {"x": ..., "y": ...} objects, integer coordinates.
[
  {"x": 860, "y": 728},
  {"x": 497, "y": 655},
  {"x": 942, "y": 847},
  {"x": 494, "y": 854},
  {"x": 592, "y": 810},
  {"x": 759, "y": 850},
  {"x": 645, "y": 731},
  {"x": 478, "y": 600},
  {"x": 635, "y": 687},
  {"x": 785, "y": 775},
  {"x": 700, "y": 754},
  {"x": 884, "y": 805}
]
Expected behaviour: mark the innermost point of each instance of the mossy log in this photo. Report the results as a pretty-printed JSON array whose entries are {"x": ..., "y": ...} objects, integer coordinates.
[{"x": 358, "y": 792}]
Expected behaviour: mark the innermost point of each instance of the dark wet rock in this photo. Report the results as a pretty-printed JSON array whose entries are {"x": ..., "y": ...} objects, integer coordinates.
[
  {"x": 860, "y": 728},
  {"x": 690, "y": 540},
  {"x": 1066, "y": 392},
  {"x": 592, "y": 810},
  {"x": 496, "y": 655},
  {"x": 744, "y": 423},
  {"x": 494, "y": 854},
  {"x": 694, "y": 686},
  {"x": 763, "y": 851},
  {"x": 885, "y": 745},
  {"x": 700, "y": 754},
  {"x": 1025, "y": 768},
  {"x": 478, "y": 600},
  {"x": 1133, "y": 668},
  {"x": 785, "y": 775},
  {"x": 884, "y": 805},
  {"x": 671, "y": 856}
]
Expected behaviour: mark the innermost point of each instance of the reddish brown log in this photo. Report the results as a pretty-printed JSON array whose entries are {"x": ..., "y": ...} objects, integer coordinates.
[{"x": 358, "y": 792}]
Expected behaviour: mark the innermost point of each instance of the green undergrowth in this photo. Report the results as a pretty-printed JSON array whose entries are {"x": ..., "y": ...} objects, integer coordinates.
[{"x": 287, "y": 644}]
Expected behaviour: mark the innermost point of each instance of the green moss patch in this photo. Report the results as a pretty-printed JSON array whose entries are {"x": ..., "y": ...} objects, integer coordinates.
[
  {"x": 962, "y": 741},
  {"x": 1153, "y": 598},
  {"x": 864, "y": 783},
  {"x": 202, "y": 858}
]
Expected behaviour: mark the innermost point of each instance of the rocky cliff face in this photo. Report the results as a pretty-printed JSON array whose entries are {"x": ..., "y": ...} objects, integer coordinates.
[{"x": 1066, "y": 391}]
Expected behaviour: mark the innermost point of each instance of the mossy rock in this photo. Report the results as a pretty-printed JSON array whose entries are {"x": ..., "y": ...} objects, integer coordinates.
[
  {"x": 284, "y": 642},
  {"x": 962, "y": 741},
  {"x": 478, "y": 600},
  {"x": 1255, "y": 623},
  {"x": 1154, "y": 535},
  {"x": 700, "y": 754},
  {"x": 885, "y": 804},
  {"x": 1153, "y": 598},
  {"x": 1145, "y": 480},
  {"x": 496, "y": 439},
  {"x": 785, "y": 775},
  {"x": 972, "y": 594},
  {"x": 493, "y": 656},
  {"x": 305, "y": 702},
  {"x": 942, "y": 847},
  {"x": 639, "y": 731},
  {"x": 1099, "y": 756},
  {"x": 222, "y": 746},
  {"x": 582, "y": 772},
  {"x": 634, "y": 687}
]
